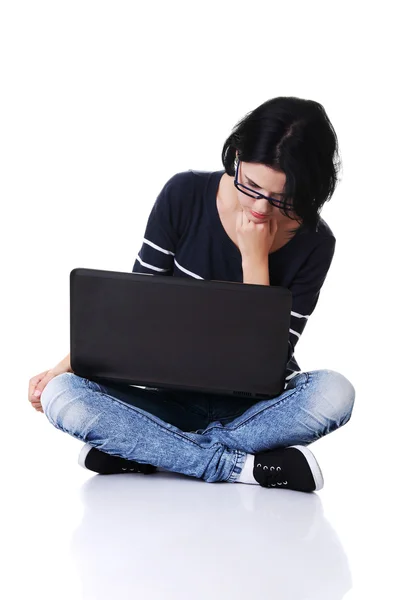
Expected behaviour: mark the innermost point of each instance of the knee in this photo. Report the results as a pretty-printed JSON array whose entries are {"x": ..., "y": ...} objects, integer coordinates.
[
  {"x": 59, "y": 397},
  {"x": 337, "y": 394}
]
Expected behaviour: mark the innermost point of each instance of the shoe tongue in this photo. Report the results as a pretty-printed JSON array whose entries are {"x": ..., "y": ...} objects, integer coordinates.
[{"x": 269, "y": 459}]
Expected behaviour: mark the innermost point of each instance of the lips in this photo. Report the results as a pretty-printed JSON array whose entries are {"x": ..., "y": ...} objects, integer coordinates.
[{"x": 257, "y": 215}]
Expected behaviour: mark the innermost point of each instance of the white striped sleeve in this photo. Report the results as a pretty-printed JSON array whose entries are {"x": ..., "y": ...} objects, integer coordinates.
[
  {"x": 157, "y": 253},
  {"x": 306, "y": 289},
  {"x": 153, "y": 259}
]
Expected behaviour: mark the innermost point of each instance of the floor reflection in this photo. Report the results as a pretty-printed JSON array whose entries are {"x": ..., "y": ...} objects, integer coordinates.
[{"x": 170, "y": 536}]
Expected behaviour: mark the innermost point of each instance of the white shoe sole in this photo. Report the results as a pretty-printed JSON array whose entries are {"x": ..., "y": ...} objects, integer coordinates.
[
  {"x": 83, "y": 454},
  {"x": 314, "y": 466}
]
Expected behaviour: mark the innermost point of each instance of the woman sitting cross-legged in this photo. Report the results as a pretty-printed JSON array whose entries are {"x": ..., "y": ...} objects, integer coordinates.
[{"x": 257, "y": 221}]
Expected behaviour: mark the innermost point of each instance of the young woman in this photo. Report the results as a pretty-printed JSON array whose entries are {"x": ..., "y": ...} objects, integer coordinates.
[{"x": 256, "y": 221}]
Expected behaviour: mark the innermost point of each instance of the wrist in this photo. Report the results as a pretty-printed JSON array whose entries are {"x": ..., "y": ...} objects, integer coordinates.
[
  {"x": 256, "y": 272},
  {"x": 64, "y": 366},
  {"x": 259, "y": 263}
]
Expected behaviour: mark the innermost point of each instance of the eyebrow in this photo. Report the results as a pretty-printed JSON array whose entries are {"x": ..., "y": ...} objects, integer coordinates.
[{"x": 259, "y": 187}]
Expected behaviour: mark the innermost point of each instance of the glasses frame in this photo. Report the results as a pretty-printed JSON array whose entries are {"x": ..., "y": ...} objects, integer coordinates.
[{"x": 273, "y": 201}]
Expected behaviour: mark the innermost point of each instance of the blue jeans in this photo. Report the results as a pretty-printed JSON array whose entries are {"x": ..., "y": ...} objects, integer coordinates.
[{"x": 200, "y": 435}]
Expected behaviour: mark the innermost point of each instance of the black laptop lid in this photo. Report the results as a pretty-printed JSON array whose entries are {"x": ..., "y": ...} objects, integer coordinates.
[{"x": 182, "y": 333}]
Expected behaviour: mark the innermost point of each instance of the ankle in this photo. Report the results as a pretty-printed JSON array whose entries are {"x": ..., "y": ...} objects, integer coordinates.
[{"x": 246, "y": 475}]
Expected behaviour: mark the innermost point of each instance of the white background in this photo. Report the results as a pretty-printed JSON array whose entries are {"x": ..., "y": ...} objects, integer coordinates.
[{"x": 101, "y": 103}]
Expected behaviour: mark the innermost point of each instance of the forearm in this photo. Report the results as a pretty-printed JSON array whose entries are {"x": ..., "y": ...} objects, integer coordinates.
[
  {"x": 256, "y": 273},
  {"x": 65, "y": 364}
]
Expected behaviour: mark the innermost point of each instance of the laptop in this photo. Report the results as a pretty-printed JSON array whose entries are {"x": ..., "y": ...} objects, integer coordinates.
[{"x": 179, "y": 333}]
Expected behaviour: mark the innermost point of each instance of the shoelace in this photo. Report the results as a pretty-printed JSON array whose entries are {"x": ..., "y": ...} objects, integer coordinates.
[
  {"x": 134, "y": 470},
  {"x": 272, "y": 474}
]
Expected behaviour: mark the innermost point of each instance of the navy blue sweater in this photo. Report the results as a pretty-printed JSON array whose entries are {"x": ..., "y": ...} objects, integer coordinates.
[{"x": 184, "y": 237}]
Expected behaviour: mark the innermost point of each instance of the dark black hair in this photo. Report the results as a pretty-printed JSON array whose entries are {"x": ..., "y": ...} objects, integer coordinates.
[{"x": 295, "y": 136}]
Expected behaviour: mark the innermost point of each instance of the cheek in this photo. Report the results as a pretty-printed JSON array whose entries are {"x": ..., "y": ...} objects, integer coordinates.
[{"x": 244, "y": 205}]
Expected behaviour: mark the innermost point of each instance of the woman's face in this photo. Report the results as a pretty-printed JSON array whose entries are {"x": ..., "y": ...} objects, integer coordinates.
[{"x": 263, "y": 180}]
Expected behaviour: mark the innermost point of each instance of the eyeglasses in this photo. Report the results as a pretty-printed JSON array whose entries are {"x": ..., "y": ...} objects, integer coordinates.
[{"x": 253, "y": 194}]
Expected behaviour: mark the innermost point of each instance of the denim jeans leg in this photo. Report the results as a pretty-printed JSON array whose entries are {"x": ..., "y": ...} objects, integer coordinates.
[
  {"x": 83, "y": 409},
  {"x": 314, "y": 404}
]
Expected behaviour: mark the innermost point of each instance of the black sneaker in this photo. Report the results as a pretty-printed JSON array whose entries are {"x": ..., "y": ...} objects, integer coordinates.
[
  {"x": 293, "y": 468},
  {"x": 100, "y": 462}
]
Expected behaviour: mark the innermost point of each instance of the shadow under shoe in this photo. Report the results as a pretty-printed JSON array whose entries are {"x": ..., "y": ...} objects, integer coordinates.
[{"x": 107, "y": 464}]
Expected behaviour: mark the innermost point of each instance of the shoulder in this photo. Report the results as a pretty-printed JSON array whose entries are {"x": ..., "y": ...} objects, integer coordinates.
[
  {"x": 184, "y": 183},
  {"x": 326, "y": 242},
  {"x": 172, "y": 198},
  {"x": 192, "y": 178},
  {"x": 181, "y": 181},
  {"x": 321, "y": 237},
  {"x": 179, "y": 199},
  {"x": 324, "y": 232},
  {"x": 185, "y": 190},
  {"x": 315, "y": 249}
]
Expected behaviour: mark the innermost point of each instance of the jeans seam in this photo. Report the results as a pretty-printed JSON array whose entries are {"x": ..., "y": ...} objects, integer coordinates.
[{"x": 240, "y": 458}]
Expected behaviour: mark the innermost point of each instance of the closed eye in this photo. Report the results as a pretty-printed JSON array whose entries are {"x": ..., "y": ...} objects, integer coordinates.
[
  {"x": 252, "y": 184},
  {"x": 257, "y": 187}
]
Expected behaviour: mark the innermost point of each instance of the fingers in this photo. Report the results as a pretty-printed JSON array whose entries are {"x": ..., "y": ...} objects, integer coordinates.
[
  {"x": 43, "y": 382},
  {"x": 273, "y": 226},
  {"x": 33, "y": 383},
  {"x": 36, "y": 387},
  {"x": 36, "y": 404},
  {"x": 243, "y": 221},
  {"x": 239, "y": 219},
  {"x": 249, "y": 224}
]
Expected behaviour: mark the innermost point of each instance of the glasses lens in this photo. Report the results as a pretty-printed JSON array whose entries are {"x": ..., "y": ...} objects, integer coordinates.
[
  {"x": 247, "y": 191},
  {"x": 254, "y": 194}
]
